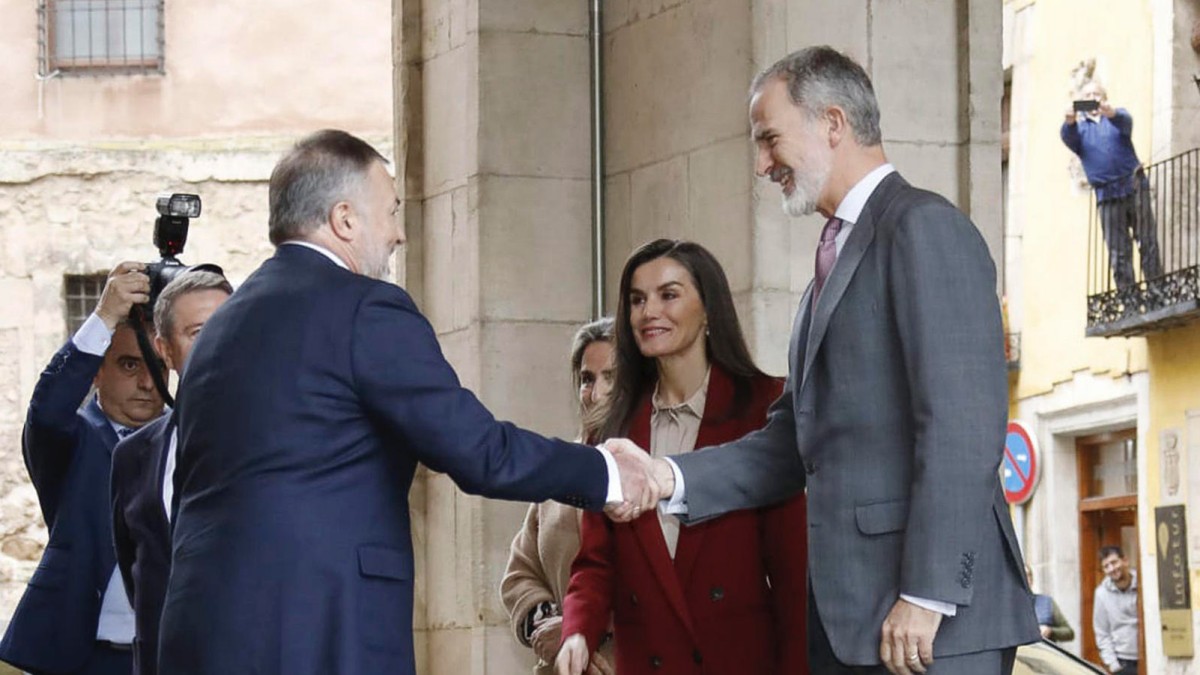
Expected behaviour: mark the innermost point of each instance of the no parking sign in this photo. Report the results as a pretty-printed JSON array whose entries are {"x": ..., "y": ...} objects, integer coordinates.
[{"x": 1019, "y": 471}]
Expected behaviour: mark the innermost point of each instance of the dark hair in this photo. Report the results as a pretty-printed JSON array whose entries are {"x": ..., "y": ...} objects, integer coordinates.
[
  {"x": 321, "y": 170},
  {"x": 1106, "y": 551},
  {"x": 821, "y": 77},
  {"x": 724, "y": 345},
  {"x": 600, "y": 330}
]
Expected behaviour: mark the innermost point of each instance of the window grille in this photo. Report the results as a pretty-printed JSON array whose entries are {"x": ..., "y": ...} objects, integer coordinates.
[
  {"x": 100, "y": 36},
  {"x": 81, "y": 294}
]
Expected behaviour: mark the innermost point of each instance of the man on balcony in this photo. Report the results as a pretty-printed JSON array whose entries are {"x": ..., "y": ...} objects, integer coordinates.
[{"x": 1100, "y": 135}]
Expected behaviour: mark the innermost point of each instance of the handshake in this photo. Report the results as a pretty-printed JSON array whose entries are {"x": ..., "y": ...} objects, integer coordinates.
[{"x": 644, "y": 480}]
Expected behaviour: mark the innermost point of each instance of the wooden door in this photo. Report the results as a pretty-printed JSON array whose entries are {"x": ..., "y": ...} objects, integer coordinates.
[{"x": 1107, "y": 466}]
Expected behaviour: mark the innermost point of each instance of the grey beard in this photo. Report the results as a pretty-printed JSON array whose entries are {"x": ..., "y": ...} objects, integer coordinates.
[{"x": 798, "y": 204}]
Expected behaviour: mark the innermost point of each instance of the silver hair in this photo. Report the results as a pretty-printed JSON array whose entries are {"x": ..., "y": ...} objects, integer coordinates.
[
  {"x": 819, "y": 78},
  {"x": 188, "y": 282},
  {"x": 322, "y": 169}
]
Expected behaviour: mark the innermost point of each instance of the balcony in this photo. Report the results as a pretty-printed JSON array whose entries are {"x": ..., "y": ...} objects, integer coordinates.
[{"x": 1129, "y": 294}]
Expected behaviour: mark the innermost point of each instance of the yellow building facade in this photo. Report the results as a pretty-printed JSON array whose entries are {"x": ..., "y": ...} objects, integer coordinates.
[{"x": 1116, "y": 416}]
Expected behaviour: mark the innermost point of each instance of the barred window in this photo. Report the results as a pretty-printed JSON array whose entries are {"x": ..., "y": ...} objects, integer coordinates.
[
  {"x": 100, "y": 36},
  {"x": 81, "y": 293}
]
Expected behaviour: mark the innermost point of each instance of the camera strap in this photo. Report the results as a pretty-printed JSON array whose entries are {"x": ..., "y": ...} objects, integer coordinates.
[{"x": 155, "y": 364}]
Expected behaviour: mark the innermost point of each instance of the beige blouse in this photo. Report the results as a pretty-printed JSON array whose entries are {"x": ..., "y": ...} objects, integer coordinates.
[{"x": 673, "y": 431}]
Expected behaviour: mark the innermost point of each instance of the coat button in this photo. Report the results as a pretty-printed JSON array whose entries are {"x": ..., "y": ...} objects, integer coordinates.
[
  {"x": 810, "y": 468},
  {"x": 655, "y": 662},
  {"x": 716, "y": 593},
  {"x": 633, "y": 598},
  {"x": 697, "y": 657}
]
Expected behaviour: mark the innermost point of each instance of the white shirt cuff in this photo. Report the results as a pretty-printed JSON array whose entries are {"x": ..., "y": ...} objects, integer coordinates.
[
  {"x": 677, "y": 504},
  {"x": 943, "y": 608},
  {"x": 615, "y": 496},
  {"x": 93, "y": 337}
]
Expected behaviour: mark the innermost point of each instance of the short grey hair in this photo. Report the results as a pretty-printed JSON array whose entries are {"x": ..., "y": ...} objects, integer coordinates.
[
  {"x": 819, "y": 78},
  {"x": 188, "y": 282},
  {"x": 321, "y": 170}
]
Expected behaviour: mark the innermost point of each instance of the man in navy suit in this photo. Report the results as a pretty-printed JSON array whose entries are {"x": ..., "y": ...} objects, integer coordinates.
[
  {"x": 143, "y": 466},
  {"x": 309, "y": 399},
  {"x": 74, "y": 616}
]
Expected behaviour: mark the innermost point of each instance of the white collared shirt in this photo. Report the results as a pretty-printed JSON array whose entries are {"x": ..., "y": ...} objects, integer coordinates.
[
  {"x": 319, "y": 249},
  {"x": 168, "y": 488},
  {"x": 850, "y": 210}
]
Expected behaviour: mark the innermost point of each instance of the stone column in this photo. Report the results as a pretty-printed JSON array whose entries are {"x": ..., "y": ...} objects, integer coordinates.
[{"x": 492, "y": 131}]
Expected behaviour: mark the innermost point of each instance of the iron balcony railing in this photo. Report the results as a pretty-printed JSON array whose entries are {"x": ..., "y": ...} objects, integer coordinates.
[{"x": 1144, "y": 251}]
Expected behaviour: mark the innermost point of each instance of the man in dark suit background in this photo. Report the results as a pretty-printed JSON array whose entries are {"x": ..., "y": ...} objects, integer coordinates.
[
  {"x": 74, "y": 617},
  {"x": 143, "y": 466},
  {"x": 894, "y": 413},
  {"x": 308, "y": 401}
]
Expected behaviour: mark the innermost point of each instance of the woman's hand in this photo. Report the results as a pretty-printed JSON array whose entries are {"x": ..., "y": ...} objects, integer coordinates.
[
  {"x": 573, "y": 657},
  {"x": 546, "y": 637}
]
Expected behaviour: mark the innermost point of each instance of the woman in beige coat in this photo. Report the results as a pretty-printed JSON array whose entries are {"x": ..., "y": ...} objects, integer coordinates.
[{"x": 539, "y": 564}]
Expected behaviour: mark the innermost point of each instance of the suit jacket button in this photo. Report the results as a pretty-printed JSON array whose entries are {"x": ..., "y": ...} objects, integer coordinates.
[
  {"x": 716, "y": 593},
  {"x": 696, "y": 656},
  {"x": 810, "y": 468},
  {"x": 633, "y": 598},
  {"x": 655, "y": 662}
]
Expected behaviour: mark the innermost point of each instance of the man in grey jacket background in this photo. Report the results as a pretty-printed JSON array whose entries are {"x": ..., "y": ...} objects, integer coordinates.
[{"x": 1115, "y": 613}]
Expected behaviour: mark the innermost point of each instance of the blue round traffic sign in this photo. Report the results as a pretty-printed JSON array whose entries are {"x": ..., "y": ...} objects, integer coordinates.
[{"x": 1019, "y": 470}]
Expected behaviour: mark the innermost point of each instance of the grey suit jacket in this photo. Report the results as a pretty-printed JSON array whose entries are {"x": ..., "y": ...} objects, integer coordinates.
[{"x": 894, "y": 419}]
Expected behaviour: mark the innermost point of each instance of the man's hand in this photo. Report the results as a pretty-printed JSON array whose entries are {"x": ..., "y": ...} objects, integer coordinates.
[
  {"x": 600, "y": 665},
  {"x": 644, "y": 481},
  {"x": 1071, "y": 114},
  {"x": 572, "y": 657},
  {"x": 1045, "y": 631},
  {"x": 1107, "y": 110},
  {"x": 127, "y": 286},
  {"x": 545, "y": 639},
  {"x": 907, "y": 643}
]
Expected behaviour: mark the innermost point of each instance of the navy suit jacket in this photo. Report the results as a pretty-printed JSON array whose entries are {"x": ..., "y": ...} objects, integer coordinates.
[
  {"x": 141, "y": 532},
  {"x": 309, "y": 399},
  {"x": 68, "y": 452}
]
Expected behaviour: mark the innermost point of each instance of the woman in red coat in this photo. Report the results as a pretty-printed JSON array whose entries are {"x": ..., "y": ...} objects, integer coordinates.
[{"x": 722, "y": 597}]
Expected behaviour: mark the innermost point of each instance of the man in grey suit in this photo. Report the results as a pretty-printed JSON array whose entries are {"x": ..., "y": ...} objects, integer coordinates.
[{"x": 894, "y": 413}]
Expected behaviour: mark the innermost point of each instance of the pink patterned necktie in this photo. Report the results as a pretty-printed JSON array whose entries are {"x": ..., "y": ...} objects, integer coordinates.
[{"x": 826, "y": 255}]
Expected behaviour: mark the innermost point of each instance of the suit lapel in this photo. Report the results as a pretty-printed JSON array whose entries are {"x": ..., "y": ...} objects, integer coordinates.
[
  {"x": 799, "y": 340},
  {"x": 649, "y": 532},
  {"x": 847, "y": 264},
  {"x": 95, "y": 416},
  {"x": 835, "y": 286}
]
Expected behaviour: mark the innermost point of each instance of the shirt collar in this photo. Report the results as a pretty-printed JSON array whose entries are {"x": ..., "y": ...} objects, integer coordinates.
[
  {"x": 319, "y": 249},
  {"x": 694, "y": 405},
  {"x": 854, "y": 201}
]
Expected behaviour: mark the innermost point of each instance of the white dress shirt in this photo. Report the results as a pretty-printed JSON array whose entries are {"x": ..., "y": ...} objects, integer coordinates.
[{"x": 168, "y": 488}]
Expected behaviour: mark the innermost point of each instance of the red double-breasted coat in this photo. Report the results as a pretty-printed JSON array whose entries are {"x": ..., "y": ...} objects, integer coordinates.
[{"x": 733, "y": 599}]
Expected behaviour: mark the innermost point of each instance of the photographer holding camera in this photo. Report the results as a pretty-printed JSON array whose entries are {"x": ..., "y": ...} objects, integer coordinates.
[
  {"x": 1101, "y": 136},
  {"x": 74, "y": 616}
]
